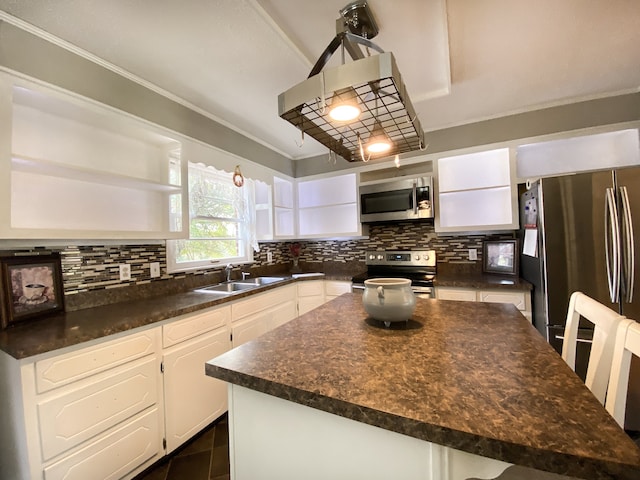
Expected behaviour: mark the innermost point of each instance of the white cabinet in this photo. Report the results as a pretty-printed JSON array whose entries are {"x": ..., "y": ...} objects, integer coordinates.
[
  {"x": 264, "y": 211},
  {"x": 335, "y": 288},
  {"x": 283, "y": 208},
  {"x": 192, "y": 399},
  {"x": 91, "y": 412},
  {"x": 328, "y": 206},
  {"x": 262, "y": 312},
  {"x": 310, "y": 295},
  {"x": 520, "y": 298},
  {"x": 72, "y": 169},
  {"x": 476, "y": 192}
]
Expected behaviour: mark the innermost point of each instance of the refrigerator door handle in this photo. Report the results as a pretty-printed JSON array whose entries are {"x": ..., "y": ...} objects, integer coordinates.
[
  {"x": 611, "y": 244},
  {"x": 628, "y": 252}
]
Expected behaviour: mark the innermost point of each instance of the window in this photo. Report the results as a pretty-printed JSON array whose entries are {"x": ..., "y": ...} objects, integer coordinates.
[{"x": 221, "y": 222}]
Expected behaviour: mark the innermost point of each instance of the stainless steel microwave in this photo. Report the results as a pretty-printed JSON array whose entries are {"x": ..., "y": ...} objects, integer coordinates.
[{"x": 406, "y": 199}]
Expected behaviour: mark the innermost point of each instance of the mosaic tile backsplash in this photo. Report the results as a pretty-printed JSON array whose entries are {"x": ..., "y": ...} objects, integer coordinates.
[{"x": 95, "y": 269}]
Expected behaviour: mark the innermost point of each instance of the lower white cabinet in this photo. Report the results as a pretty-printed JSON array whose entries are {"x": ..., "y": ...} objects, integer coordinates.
[
  {"x": 103, "y": 409},
  {"x": 192, "y": 399},
  {"x": 91, "y": 412},
  {"x": 335, "y": 288},
  {"x": 262, "y": 312},
  {"x": 310, "y": 295},
  {"x": 520, "y": 298}
]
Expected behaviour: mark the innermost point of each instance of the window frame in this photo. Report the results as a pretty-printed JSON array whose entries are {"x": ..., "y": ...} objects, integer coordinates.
[{"x": 244, "y": 226}]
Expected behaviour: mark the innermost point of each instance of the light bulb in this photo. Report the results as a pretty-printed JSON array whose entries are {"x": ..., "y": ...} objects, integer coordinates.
[
  {"x": 345, "y": 112},
  {"x": 344, "y": 107},
  {"x": 378, "y": 141}
]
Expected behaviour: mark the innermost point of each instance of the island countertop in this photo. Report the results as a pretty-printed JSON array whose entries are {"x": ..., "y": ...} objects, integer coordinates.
[{"x": 476, "y": 377}]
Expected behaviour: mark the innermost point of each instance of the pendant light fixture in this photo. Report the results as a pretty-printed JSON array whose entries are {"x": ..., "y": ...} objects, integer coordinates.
[{"x": 369, "y": 88}]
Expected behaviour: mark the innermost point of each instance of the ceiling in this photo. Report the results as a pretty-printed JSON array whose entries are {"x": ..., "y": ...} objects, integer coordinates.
[{"x": 462, "y": 61}]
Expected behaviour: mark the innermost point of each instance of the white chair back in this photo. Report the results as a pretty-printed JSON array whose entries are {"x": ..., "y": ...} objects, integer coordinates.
[
  {"x": 627, "y": 344},
  {"x": 605, "y": 322}
]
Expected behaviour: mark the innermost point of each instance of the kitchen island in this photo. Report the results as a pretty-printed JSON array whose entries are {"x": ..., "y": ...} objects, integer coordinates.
[{"x": 462, "y": 390}]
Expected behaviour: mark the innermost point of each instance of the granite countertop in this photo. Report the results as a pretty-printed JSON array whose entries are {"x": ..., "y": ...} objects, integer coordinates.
[
  {"x": 71, "y": 328},
  {"x": 472, "y": 376}
]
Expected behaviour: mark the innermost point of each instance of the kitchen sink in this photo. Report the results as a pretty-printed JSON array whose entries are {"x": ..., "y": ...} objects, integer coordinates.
[
  {"x": 227, "y": 288},
  {"x": 237, "y": 286},
  {"x": 257, "y": 281}
]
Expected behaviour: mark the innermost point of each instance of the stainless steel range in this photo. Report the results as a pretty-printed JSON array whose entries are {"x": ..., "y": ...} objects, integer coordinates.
[{"x": 419, "y": 266}]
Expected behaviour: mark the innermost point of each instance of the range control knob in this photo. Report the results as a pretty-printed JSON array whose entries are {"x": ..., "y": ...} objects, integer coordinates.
[
  {"x": 426, "y": 256},
  {"x": 417, "y": 257},
  {"x": 380, "y": 257}
]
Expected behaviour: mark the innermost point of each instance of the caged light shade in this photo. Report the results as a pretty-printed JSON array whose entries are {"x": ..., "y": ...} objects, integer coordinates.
[{"x": 383, "y": 97}]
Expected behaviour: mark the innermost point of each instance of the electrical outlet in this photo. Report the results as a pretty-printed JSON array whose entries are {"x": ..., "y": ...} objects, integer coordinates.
[
  {"x": 269, "y": 257},
  {"x": 154, "y": 268},
  {"x": 473, "y": 254},
  {"x": 125, "y": 272}
]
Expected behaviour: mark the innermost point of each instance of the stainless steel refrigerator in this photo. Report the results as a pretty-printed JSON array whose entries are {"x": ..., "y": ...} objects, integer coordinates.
[{"x": 585, "y": 240}]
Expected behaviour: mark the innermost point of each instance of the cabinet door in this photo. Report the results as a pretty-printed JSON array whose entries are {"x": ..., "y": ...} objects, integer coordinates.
[
  {"x": 282, "y": 314},
  {"x": 476, "y": 192},
  {"x": 251, "y": 328},
  {"x": 329, "y": 206},
  {"x": 192, "y": 399}
]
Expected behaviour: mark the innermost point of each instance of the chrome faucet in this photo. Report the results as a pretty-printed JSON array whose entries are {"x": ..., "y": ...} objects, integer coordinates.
[{"x": 227, "y": 270}]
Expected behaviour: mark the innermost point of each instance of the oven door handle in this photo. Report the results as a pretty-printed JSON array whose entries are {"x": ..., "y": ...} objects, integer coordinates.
[{"x": 356, "y": 286}]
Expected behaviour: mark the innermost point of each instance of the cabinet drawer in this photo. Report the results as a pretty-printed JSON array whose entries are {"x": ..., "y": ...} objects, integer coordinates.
[
  {"x": 192, "y": 325},
  {"x": 262, "y": 301},
  {"x": 455, "y": 294},
  {"x": 82, "y": 413},
  {"x": 132, "y": 445},
  {"x": 516, "y": 298},
  {"x": 64, "y": 369},
  {"x": 310, "y": 288}
]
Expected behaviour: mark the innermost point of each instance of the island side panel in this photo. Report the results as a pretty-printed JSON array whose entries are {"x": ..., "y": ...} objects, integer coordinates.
[{"x": 272, "y": 438}]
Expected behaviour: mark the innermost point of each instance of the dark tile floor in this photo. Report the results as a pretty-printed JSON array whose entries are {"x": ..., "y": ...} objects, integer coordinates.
[{"x": 205, "y": 457}]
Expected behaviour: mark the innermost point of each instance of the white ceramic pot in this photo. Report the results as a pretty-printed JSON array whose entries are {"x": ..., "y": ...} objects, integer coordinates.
[{"x": 389, "y": 299}]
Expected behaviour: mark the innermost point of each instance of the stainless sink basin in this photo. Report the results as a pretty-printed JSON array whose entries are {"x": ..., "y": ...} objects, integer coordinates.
[
  {"x": 227, "y": 288},
  {"x": 257, "y": 281},
  {"x": 237, "y": 286}
]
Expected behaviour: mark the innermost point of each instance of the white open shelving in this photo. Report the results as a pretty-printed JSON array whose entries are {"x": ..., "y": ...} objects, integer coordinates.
[{"x": 74, "y": 169}]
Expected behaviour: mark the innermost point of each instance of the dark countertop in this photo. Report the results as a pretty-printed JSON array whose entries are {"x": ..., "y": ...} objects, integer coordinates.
[
  {"x": 71, "y": 328},
  {"x": 472, "y": 376}
]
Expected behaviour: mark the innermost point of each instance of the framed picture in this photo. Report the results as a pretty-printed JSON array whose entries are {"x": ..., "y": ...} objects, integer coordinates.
[
  {"x": 30, "y": 286},
  {"x": 500, "y": 256}
]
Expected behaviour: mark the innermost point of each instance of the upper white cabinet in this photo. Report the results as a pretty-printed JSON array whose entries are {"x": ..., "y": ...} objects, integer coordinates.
[
  {"x": 283, "y": 208},
  {"x": 328, "y": 207},
  {"x": 74, "y": 169},
  {"x": 476, "y": 192},
  {"x": 264, "y": 211},
  {"x": 579, "y": 154}
]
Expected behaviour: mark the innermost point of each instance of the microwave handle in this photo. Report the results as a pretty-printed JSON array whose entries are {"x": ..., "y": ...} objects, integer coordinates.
[{"x": 415, "y": 198}]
